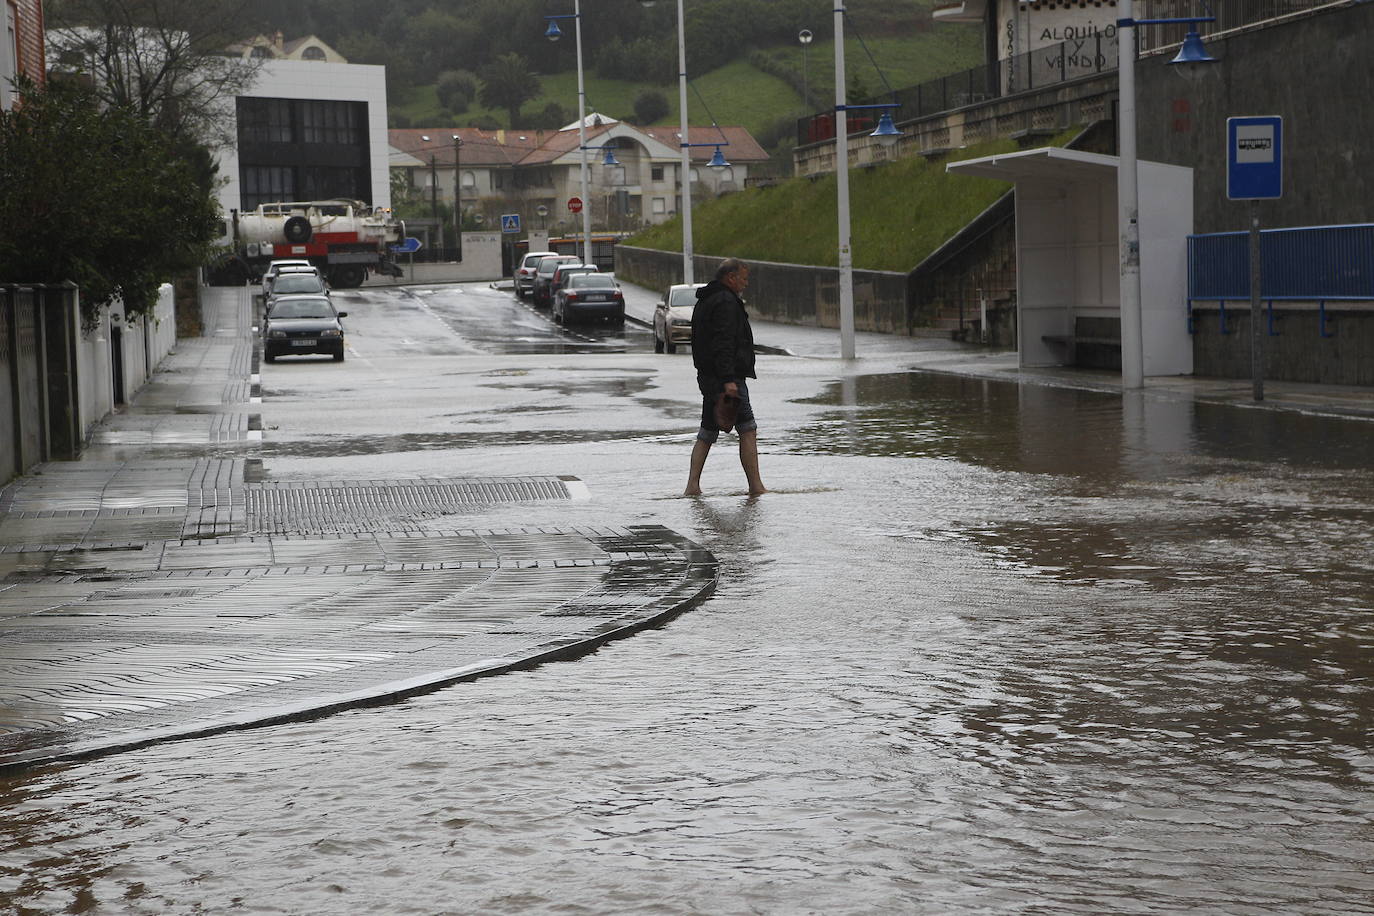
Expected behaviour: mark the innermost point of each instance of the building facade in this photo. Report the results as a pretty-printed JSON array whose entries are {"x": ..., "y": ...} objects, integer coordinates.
[
  {"x": 308, "y": 130},
  {"x": 22, "y": 51},
  {"x": 524, "y": 171}
]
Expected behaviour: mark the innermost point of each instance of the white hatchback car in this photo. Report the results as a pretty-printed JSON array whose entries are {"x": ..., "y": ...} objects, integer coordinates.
[
  {"x": 524, "y": 274},
  {"x": 277, "y": 267},
  {"x": 673, "y": 317}
]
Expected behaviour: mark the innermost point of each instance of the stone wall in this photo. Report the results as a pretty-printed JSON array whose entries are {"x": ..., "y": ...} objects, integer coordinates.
[
  {"x": 786, "y": 293},
  {"x": 1302, "y": 349}
]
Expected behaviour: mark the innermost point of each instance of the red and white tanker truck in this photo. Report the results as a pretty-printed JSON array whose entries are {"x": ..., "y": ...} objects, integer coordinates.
[{"x": 345, "y": 239}]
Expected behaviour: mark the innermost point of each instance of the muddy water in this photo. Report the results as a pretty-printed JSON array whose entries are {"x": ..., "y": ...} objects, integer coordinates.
[{"x": 988, "y": 649}]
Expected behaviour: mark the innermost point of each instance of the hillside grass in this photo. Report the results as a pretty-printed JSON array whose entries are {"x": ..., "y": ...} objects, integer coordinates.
[
  {"x": 900, "y": 212},
  {"x": 738, "y": 93}
]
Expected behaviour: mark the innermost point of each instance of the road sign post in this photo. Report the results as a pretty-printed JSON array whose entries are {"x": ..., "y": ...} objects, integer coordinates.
[{"x": 1254, "y": 172}]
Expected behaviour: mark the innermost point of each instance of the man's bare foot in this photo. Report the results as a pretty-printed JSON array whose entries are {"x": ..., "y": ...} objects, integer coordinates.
[
  {"x": 692, "y": 491},
  {"x": 758, "y": 492}
]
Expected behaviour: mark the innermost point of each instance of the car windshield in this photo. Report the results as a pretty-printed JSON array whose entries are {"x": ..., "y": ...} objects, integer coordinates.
[
  {"x": 549, "y": 265},
  {"x": 683, "y": 297},
  {"x": 302, "y": 308},
  {"x": 297, "y": 283},
  {"x": 592, "y": 281}
]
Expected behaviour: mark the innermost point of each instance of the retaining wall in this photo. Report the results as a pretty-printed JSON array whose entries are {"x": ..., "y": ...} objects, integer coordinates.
[{"x": 787, "y": 293}]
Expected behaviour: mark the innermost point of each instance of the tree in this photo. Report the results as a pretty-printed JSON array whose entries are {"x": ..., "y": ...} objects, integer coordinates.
[
  {"x": 508, "y": 83},
  {"x": 651, "y": 106},
  {"x": 98, "y": 196},
  {"x": 456, "y": 89},
  {"x": 551, "y": 117},
  {"x": 163, "y": 60}
]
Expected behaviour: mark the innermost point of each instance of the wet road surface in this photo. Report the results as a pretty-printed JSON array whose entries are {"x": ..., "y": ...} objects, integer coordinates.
[{"x": 988, "y": 648}]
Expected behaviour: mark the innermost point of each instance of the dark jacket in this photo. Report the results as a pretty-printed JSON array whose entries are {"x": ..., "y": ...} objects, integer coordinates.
[{"x": 722, "y": 341}]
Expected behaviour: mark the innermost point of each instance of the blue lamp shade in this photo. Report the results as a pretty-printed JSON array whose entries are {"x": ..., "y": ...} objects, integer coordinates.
[
  {"x": 718, "y": 160},
  {"x": 886, "y": 132},
  {"x": 610, "y": 159},
  {"x": 553, "y": 32},
  {"x": 1193, "y": 51}
]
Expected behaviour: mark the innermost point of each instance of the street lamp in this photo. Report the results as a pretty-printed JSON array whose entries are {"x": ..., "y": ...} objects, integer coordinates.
[
  {"x": 458, "y": 194},
  {"x": 684, "y": 144},
  {"x": 886, "y": 134},
  {"x": 1128, "y": 184},
  {"x": 805, "y": 36},
  {"x": 553, "y": 33}
]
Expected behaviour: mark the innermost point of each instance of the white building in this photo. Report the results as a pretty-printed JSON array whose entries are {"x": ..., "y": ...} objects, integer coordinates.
[{"x": 308, "y": 130}]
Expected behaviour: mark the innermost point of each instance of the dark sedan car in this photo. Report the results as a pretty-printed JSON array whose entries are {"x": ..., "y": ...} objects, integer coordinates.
[
  {"x": 589, "y": 297},
  {"x": 299, "y": 325}
]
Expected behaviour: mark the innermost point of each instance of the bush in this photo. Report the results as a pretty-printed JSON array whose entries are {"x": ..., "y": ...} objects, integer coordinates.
[
  {"x": 651, "y": 106},
  {"x": 485, "y": 122}
]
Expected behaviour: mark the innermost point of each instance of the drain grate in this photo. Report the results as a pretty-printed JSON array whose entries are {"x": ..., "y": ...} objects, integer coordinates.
[{"x": 350, "y": 505}]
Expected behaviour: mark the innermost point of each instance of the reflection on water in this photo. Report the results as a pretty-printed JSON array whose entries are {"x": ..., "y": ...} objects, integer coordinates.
[{"x": 989, "y": 650}]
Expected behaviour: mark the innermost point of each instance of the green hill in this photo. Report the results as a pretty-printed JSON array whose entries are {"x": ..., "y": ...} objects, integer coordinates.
[
  {"x": 900, "y": 213},
  {"x": 761, "y": 91}
]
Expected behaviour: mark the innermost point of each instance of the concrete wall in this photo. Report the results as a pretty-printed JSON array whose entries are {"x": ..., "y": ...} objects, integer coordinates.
[
  {"x": 481, "y": 261},
  {"x": 1315, "y": 71},
  {"x": 787, "y": 293},
  {"x": 1328, "y": 170},
  {"x": 56, "y": 381}
]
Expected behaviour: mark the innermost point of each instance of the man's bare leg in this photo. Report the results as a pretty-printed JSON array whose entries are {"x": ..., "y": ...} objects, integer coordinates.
[
  {"x": 699, "y": 452},
  {"x": 749, "y": 460}
]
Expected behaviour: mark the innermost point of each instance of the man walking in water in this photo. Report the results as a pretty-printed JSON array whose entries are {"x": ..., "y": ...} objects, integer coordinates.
[{"x": 723, "y": 353}]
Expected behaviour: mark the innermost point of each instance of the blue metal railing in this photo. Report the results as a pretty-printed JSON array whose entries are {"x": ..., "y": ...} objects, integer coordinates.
[{"x": 1312, "y": 264}]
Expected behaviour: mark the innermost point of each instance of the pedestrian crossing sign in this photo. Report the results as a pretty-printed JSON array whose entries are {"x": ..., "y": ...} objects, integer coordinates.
[{"x": 510, "y": 222}]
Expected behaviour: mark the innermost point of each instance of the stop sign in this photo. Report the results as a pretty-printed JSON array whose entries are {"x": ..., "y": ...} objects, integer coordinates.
[{"x": 575, "y": 204}]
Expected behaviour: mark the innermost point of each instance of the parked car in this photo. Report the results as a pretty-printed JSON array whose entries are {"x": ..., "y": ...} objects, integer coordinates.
[
  {"x": 563, "y": 271},
  {"x": 297, "y": 283},
  {"x": 544, "y": 276},
  {"x": 673, "y": 317},
  {"x": 276, "y": 267},
  {"x": 524, "y": 274},
  {"x": 297, "y": 325},
  {"x": 589, "y": 297}
]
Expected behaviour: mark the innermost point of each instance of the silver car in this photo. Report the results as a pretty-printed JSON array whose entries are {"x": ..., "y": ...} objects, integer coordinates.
[{"x": 673, "y": 317}]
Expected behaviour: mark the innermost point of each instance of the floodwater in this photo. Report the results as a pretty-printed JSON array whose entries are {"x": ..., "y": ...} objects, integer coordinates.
[{"x": 988, "y": 649}]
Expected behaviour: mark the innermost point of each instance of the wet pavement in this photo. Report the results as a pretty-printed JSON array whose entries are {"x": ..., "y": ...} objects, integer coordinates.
[{"x": 998, "y": 642}]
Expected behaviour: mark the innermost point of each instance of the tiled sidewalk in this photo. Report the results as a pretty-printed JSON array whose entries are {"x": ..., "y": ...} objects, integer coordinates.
[{"x": 151, "y": 593}]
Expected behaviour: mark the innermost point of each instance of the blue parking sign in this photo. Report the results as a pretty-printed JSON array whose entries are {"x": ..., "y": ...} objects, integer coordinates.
[{"x": 1254, "y": 158}]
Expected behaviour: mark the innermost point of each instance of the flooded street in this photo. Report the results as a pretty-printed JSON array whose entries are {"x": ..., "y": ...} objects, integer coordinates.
[{"x": 987, "y": 648}]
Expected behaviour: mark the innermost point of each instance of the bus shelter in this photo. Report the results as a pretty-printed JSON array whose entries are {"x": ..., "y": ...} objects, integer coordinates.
[{"x": 1068, "y": 289}]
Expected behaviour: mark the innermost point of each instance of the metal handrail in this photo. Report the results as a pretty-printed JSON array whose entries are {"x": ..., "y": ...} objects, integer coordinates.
[{"x": 1311, "y": 264}]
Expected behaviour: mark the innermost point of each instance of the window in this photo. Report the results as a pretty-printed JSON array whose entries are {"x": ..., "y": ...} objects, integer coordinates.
[
  {"x": 696, "y": 175},
  {"x": 656, "y": 173},
  {"x": 265, "y": 184},
  {"x": 265, "y": 121},
  {"x": 331, "y": 122},
  {"x": 313, "y": 53},
  {"x": 469, "y": 179},
  {"x": 9, "y": 57},
  {"x": 660, "y": 205}
]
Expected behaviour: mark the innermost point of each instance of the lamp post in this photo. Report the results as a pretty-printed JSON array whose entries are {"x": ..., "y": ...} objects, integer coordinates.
[
  {"x": 1128, "y": 184},
  {"x": 805, "y": 36},
  {"x": 886, "y": 133},
  {"x": 458, "y": 194},
  {"x": 553, "y": 34},
  {"x": 684, "y": 143}
]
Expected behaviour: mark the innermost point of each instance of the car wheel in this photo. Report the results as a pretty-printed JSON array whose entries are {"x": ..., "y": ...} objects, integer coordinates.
[
  {"x": 658, "y": 343},
  {"x": 339, "y": 356},
  {"x": 269, "y": 357},
  {"x": 670, "y": 346}
]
